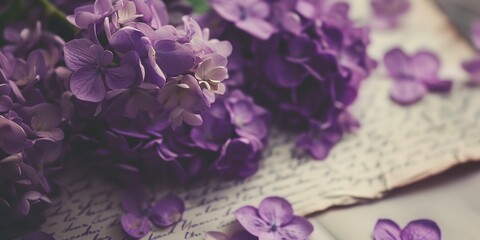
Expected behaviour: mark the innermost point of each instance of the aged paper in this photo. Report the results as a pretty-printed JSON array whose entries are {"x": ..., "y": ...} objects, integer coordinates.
[{"x": 395, "y": 146}]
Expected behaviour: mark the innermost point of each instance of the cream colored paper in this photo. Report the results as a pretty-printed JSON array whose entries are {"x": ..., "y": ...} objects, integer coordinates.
[{"x": 395, "y": 146}]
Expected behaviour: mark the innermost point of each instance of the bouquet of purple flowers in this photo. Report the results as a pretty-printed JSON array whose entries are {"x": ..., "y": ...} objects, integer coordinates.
[{"x": 303, "y": 60}]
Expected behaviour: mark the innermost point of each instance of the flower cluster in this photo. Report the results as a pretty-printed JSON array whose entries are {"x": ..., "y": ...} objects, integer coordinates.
[
  {"x": 150, "y": 97},
  {"x": 419, "y": 229},
  {"x": 303, "y": 60},
  {"x": 30, "y": 118},
  {"x": 473, "y": 66},
  {"x": 414, "y": 75}
]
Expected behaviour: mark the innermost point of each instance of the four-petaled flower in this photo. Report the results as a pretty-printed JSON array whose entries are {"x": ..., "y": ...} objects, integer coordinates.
[
  {"x": 91, "y": 65},
  {"x": 421, "y": 229},
  {"x": 389, "y": 12},
  {"x": 274, "y": 220},
  {"x": 414, "y": 75}
]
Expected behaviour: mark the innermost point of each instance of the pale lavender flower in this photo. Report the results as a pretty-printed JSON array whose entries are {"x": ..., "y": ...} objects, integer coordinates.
[
  {"x": 422, "y": 229},
  {"x": 274, "y": 220},
  {"x": 414, "y": 75}
]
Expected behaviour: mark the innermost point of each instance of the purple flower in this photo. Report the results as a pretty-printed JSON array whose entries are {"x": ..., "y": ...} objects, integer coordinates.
[
  {"x": 90, "y": 14},
  {"x": 183, "y": 97},
  {"x": 389, "y": 12},
  {"x": 141, "y": 212},
  {"x": 248, "y": 15},
  {"x": 91, "y": 65},
  {"x": 241, "y": 235},
  {"x": 274, "y": 220},
  {"x": 419, "y": 229},
  {"x": 414, "y": 75}
]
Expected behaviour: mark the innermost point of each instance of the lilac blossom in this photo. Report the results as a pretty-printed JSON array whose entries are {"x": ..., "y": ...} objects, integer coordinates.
[
  {"x": 274, "y": 219},
  {"x": 141, "y": 212},
  {"x": 473, "y": 66},
  {"x": 241, "y": 235},
  {"x": 306, "y": 71},
  {"x": 414, "y": 76},
  {"x": 419, "y": 229},
  {"x": 91, "y": 73},
  {"x": 388, "y": 13},
  {"x": 186, "y": 66},
  {"x": 30, "y": 123}
]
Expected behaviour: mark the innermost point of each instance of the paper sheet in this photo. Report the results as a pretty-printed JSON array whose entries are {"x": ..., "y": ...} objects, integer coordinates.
[{"x": 394, "y": 147}]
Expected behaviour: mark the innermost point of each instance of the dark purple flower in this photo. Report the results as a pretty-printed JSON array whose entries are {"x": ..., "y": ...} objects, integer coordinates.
[
  {"x": 389, "y": 12},
  {"x": 91, "y": 65},
  {"x": 142, "y": 212},
  {"x": 414, "y": 75},
  {"x": 248, "y": 15},
  {"x": 274, "y": 219},
  {"x": 416, "y": 230}
]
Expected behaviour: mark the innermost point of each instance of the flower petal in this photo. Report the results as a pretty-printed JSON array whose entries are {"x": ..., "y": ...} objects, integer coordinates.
[
  {"x": 251, "y": 221},
  {"x": 386, "y": 230},
  {"x": 135, "y": 226},
  {"x": 174, "y": 58},
  {"x": 77, "y": 54},
  {"x": 425, "y": 65},
  {"x": 397, "y": 63},
  {"x": 243, "y": 235},
  {"x": 167, "y": 211},
  {"x": 421, "y": 230},
  {"x": 87, "y": 85},
  {"x": 276, "y": 210},
  {"x": 407, "y": 92},
  {"x": 298, "y": 229},
  {"x": 120, "y": 77}
]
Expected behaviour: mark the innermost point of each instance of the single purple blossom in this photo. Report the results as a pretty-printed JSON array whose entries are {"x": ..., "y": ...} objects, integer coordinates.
[
  {"x": 389, "y": 12},
  {"x": 241, "y": 235},
  {"x": 414, "y": 75},
  {"x": 142, "y": 212},
  {"x": 248, "y": 15},
  {"x": 274, "y": 220},
  {"x": 91, "y": 65},
  {"x": 416, "y": 230}
]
